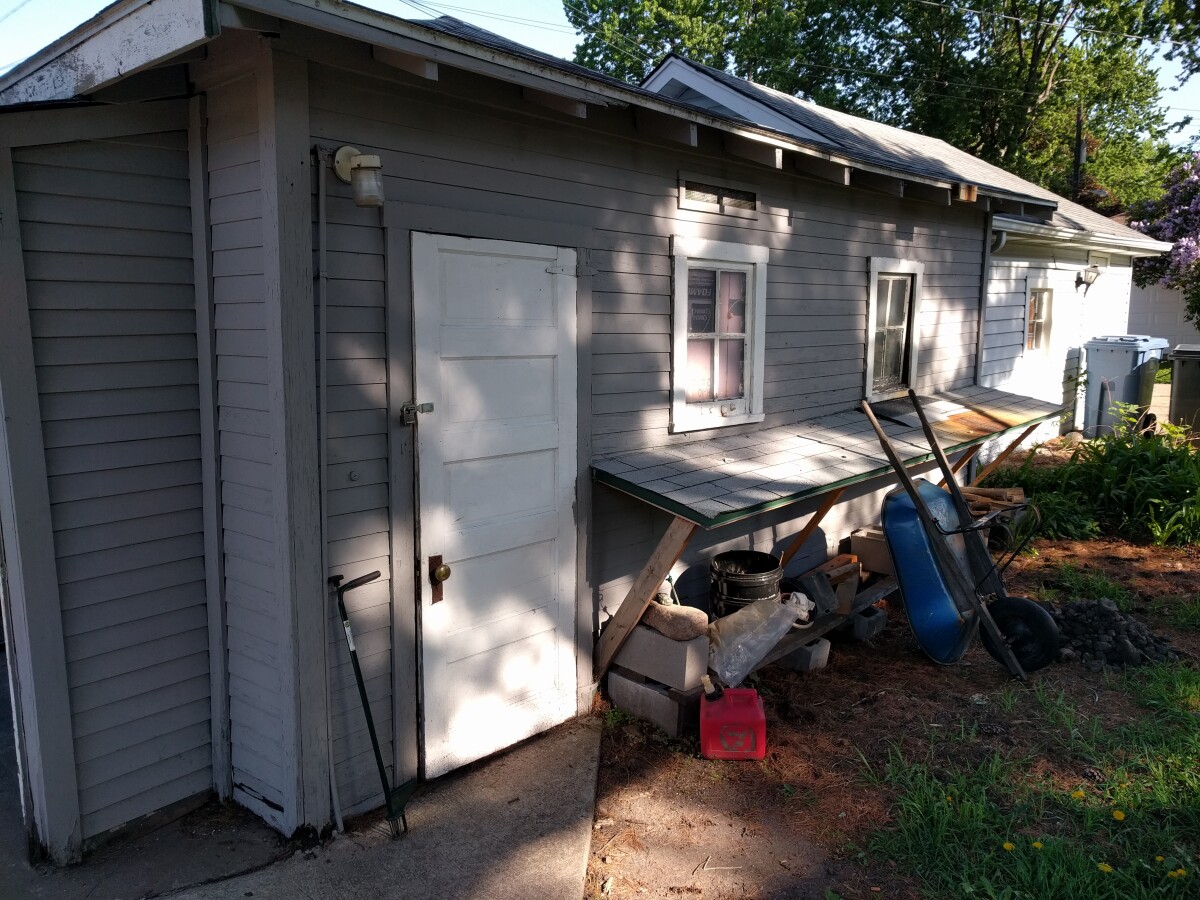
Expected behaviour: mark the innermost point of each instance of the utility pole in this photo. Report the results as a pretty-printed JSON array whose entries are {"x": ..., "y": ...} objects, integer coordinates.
[{"x": 1080, "y": 155}]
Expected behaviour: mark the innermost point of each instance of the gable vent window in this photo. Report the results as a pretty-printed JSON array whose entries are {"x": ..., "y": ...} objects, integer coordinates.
[{"x": 726, "y": 200}]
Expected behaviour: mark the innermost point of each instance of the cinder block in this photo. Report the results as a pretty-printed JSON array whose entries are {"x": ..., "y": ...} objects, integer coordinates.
[
  {"x": 678, "y": 664},
  {"x": 868, "y": 623},
  {"x": 811, "y": 656},
  {"x": 675, "y": 712},
  {"x": 871, "y": 548}
]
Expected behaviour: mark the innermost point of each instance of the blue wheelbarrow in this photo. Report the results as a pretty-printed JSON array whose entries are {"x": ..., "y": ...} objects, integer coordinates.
[{"x": 951, "y": 585}]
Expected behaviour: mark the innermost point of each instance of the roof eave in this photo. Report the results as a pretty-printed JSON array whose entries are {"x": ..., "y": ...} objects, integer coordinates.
[
  {"x": 122, "y": 39},
  {"x": 1074, "y": 237}
]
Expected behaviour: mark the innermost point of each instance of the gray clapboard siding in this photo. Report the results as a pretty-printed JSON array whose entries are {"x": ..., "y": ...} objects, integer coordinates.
[
  {"x": 358, "y": 510},
  {"x": 105, "y": 228},
  {"x": 253, "y": 629}
]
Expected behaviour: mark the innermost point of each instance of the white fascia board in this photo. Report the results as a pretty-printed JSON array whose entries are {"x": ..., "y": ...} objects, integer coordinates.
[
  {"x": 675, "y": 69},
  {"x": 1052, "y": 235},
  {"x": 123, "y": 39}
]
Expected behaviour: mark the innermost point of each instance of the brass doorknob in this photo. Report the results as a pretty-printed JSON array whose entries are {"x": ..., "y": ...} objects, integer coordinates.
[{"x": 441, "y": 573}]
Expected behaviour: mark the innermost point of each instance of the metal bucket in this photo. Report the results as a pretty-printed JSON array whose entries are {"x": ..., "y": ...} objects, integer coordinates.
[{"x": 740, "y": 577}]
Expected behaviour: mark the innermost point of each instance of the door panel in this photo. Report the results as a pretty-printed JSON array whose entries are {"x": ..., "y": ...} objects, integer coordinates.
[{"x": 494, "y": 336}]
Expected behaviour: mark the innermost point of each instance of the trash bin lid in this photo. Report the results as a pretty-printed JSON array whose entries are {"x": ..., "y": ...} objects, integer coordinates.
[
  {"x": 1127, "y": 342},
  {"x": 1187, "y": 351}
]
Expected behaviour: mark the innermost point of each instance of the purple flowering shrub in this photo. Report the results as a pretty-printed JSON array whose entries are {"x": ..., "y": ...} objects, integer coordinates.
[{"x": 1174, "y": 217}]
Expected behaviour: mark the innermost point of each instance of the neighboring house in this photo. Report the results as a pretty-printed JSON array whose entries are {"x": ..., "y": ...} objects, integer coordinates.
[
  {"x": 1038, "y": 313},
  {"x": 1159, "y": 311},
  {"x": 587, "y": 320}
]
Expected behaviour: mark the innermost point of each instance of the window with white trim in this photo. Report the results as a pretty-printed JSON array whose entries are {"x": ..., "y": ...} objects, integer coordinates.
[
  {"x": 893, "y": 305},
  {"x": 718, "y": 326},
  {"x": 1037, "y": 320}
]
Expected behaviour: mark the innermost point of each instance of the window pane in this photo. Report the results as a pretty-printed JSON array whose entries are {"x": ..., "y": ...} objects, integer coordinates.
[
  {"x": 733, "y": 303},
  {"x": 898, "y": 305},
  {"x": 702, "y": 298},
  {"x": 732, "y": 370},
  {"x": 699, "y": 384}
]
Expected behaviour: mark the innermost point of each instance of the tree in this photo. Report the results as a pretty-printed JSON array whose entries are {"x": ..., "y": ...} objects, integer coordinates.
[
  {"x": 1175, "y": 217},
  {"x": 999, "y": 78}
]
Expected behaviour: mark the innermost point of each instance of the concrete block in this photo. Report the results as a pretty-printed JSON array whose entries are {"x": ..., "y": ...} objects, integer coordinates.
[
  {"x": 675, "y": 712},
  {"x": 870, "y": 546},
  {"x": 868, "y": 623},
  {"x": 811, "y": 656},
  {"x": 677, "y": 664}
]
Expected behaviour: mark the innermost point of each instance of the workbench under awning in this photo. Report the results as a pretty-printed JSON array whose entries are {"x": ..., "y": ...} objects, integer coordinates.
[
  {"x": 710, "y": 483},
  {"x": 726, "y": 479}
]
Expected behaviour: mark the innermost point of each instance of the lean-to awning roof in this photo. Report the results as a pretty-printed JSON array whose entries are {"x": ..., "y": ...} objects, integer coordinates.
[{"x": 726, "y": 479}]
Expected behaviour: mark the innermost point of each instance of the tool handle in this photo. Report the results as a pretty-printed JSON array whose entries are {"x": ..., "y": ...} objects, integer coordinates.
[{"x": 359, "y": 582}]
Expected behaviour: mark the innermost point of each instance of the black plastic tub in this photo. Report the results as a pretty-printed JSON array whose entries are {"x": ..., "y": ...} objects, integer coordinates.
[{"x": 740, "y": 577}]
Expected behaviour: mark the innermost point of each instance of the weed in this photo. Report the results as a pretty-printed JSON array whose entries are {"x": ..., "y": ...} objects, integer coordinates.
[
  {"x": 615, "y": 718},
  {"x": 1079, "y": 584},
  {"x": 994, "y": 830},
  {"x": 1008, "y": 697}
]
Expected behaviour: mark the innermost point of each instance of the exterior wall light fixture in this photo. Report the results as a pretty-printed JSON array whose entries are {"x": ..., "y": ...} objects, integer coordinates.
[
  {"x": 363, "y": 172},
  {"x": 1086, "y": 278}
]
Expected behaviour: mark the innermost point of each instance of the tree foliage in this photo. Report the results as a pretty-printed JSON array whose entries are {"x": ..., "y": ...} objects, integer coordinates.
[
  {"x": 1175, "y": 217},
  {"x": 998, "y": 78}
]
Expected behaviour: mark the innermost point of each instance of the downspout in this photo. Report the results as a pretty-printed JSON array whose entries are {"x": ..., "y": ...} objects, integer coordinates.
[
  {"x": 989, "y": 247},
  {"x": 323, "y": 161}
]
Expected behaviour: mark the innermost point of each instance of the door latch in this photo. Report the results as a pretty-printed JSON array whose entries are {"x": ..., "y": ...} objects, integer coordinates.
[{"x": 408, "y": 412}]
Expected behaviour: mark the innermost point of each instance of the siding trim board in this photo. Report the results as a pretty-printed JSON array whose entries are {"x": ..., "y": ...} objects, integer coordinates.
[
  {"x": 210, "y": 459},
  {"x": 37, "y": 663}
]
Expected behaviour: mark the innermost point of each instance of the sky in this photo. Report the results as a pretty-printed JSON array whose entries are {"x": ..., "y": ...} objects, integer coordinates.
[{"x": 28, "y": 25}]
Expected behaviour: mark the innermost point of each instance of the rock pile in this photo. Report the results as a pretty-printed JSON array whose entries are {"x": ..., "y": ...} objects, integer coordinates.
[{"x": 1099, "y": 635}]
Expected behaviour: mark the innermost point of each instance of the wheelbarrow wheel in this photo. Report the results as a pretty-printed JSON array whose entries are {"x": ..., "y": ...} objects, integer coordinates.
[{"x": 1032, "y": 635}]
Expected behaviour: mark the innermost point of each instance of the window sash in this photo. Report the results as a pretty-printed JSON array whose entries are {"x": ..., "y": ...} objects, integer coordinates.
[
  {"x": 893, "y": 334},
  {"x": 1036, "y": 330}
]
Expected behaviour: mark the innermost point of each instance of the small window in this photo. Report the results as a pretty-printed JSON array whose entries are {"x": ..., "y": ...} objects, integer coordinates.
[
  {"x": 892, "y": 333},
  {"x": 1037, "y": 326},
  {"x": 718, "y": 327},
  {"x": 726, "y": 199}
]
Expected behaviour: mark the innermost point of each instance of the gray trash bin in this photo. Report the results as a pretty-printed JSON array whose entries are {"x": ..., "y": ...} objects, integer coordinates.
[
  {"x": 1120, "y": 369},
  {"x": 1185, "y": 386}
]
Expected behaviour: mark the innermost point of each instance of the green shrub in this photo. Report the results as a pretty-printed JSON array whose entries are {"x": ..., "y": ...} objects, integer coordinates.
[{"x": 1142, "y": 485}]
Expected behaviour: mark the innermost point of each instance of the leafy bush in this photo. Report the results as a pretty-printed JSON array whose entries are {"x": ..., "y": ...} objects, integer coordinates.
[{"x": 1142, "y": 485}]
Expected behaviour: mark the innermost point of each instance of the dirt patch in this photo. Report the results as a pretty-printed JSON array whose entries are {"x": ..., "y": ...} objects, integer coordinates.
[{"x": 799, "y": 824}]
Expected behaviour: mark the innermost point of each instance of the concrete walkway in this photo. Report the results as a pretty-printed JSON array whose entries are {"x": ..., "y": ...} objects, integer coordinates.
[{"x": 517, "y": 827}]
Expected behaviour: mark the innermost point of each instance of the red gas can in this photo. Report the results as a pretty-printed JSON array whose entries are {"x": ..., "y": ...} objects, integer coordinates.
[{"x": 733, "y": 726}]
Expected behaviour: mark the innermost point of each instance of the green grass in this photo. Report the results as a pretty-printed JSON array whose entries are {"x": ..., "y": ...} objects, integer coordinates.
[
  {"x": 1185, "y": 614},
  {"x": 1163, "y": 375},
  {"x": 991, "y": 829},
  {"x": 1079, "y": 584}
]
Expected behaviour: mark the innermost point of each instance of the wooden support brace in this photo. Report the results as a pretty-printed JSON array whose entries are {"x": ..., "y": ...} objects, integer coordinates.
[
  {"x": 406, "y": 62},
  {"x": 566, "y": 105},
  {"x": 810, "y": 527},
  {"x": 995, "y": 463},
  {"x": 962, "y": 461},
  {"x": 755, "y": 151},
  {"x": 666, "y": 127},
  {"x": 665, "y": 555},
  {"x": 822, "y": 168},
  {"x": 873, "y": 181}
]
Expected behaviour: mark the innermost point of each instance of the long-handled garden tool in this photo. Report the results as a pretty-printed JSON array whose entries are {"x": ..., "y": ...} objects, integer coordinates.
[{"x": 394, "y": 798}]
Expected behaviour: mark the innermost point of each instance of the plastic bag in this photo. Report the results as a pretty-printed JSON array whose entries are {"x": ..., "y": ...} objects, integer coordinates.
[{"x": 738, "y": 642}]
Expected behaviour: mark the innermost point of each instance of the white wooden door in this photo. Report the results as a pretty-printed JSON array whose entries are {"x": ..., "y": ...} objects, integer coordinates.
[{"x": 494, "y": 335}]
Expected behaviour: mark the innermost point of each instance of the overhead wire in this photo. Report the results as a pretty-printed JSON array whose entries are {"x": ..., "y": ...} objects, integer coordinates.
[
  {"x": 432, "y": 9},
  {"x": 16, "y": 9}
]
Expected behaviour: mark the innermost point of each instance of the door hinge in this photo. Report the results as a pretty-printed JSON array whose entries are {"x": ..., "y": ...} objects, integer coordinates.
[
  {"x": 408, "y": 412},
  {"x": 579, "y": 270}
]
